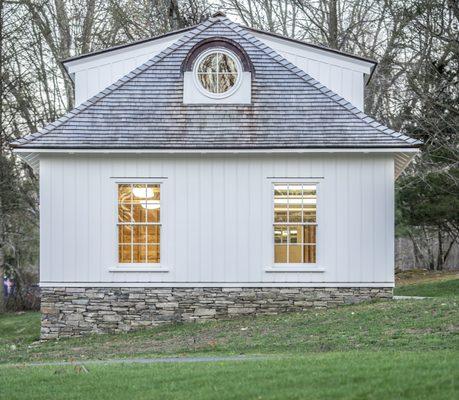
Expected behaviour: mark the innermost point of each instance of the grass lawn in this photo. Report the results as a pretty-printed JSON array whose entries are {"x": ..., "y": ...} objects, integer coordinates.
[
  {"x": 351, "y": 375},
  {"x": 390, "y": 349},
  {"x": 448, "y": 287}
]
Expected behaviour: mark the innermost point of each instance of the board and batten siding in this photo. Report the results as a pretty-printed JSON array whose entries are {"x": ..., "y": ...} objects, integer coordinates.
[
  {"x": 216, "y": 212},
  {"x": 93, "y": 74},
  {"x": 341, "y": 74}
]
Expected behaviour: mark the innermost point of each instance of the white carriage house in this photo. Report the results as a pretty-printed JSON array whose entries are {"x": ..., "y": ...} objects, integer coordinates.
[{"x": 212, "y": 172}]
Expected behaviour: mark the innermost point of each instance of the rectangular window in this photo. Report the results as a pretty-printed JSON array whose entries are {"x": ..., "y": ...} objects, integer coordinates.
[
  {"x": 295, "y": 223},
  {"x": 139, "y": 223}
]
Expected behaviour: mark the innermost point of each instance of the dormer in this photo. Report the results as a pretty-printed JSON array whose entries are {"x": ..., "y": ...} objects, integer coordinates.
[{"x": 217, "y": 71}]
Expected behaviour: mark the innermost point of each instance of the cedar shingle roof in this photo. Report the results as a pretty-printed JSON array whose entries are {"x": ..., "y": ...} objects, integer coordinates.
[{"x": 145, "y": 110}]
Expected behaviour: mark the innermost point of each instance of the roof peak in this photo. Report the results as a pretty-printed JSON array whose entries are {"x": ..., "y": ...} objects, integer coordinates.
[{"x": 219, "y": 13}]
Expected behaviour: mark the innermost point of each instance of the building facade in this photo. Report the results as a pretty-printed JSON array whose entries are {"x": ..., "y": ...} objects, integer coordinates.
[{"x": 212, "y": 172}]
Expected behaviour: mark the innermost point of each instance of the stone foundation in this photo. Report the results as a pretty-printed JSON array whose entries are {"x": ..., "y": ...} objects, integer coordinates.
[{"x": 77, "y": 311}]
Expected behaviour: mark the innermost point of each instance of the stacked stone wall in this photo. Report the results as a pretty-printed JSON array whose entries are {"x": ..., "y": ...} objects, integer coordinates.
[{"x": 74, "y": 311}]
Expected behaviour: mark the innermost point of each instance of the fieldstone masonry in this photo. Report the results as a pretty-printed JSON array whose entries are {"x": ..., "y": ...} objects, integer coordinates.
[{"x": 78, "y": 311}]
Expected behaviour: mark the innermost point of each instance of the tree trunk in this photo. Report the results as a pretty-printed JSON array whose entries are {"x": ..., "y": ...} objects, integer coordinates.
[
  {"x": 333, "y": 24},
  {"x": 419, "y": 259},
  {"x": 440, "y": 252}
]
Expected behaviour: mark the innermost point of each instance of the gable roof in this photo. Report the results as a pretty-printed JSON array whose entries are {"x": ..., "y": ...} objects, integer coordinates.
[{"x": 145, "y": 110}]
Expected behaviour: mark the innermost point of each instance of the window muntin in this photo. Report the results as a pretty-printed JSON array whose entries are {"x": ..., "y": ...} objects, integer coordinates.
[
  {"x": 218, "y": 72},
  {"x": 295, "y": 223},
  {"x": 139, "y": 223}
]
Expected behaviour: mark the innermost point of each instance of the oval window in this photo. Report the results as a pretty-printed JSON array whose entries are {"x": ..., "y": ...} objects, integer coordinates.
[{"x": 217, "y": 72}]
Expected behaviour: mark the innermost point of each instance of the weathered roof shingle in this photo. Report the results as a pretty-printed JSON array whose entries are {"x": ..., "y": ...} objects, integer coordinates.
[{"x": 145, "y": 110}]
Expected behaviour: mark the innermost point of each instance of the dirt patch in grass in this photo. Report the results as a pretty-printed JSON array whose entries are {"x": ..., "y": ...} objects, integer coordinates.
[{"x": 423, "y": 276}]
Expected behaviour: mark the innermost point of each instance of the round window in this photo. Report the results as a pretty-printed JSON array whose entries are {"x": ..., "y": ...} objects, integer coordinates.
[{"x": 218, "y": 72}]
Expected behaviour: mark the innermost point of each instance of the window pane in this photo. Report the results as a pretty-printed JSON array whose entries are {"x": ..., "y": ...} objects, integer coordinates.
[
  {"x": 124, "y": 193},
  {"x": 153, "y": 212},
  {"x": 309, "y": 234},
  {"x": 153, "y": 254},
  {"x": 139, "y": 253},
  {"x": 280, "y": 234},
  {"x": 139, "y": 193},
  {"x": 280, "y": 203},
  {"x": 124, "y": 213},
  {"x": 139, "y": 212},
  {"x": 124, "y": 253},
  {"x": 309, "y": 203},
  {"x": 226, "y": 82},
  {"x": 294, "y": 203},
  {"x": 280, "y": 253},
  {"x": 209, "y": 82},
  {"x": 209, "y": 64},
  {"x": 309, "y": 253},
  {"x": 153, "y": 234},
  {"x": 124, "y": 233},
  {"x": 295, "y": 234},
  {"x": 226, "y": 64},
  {"x": 294, "y": 254},
  {"x": 140, "y": 234},
  {"x": 153, "y": 192},
  {"x": 309, "y": 213},
  {"x": 294, "y": 210}
]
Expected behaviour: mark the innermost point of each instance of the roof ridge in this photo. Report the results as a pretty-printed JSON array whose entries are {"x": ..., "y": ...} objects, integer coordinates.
[
  {"x": 325, "y": 90},
  {"x": 119, "y": 83}
]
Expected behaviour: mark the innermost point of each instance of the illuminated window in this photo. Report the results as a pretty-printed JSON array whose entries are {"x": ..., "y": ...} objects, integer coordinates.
[
  {"x": 295, "y": 223},
  {"x": 139, "y": 223}
]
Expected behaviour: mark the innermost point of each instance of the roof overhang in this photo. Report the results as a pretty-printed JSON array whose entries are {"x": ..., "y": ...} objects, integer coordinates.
[{"x": 402, "y": 156}]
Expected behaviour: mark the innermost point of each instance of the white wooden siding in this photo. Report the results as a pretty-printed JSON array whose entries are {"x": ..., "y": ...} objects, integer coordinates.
[
  {"x": 342, "y": 74},
  {"x": 93, "y": 74},
  {"x": 216, "y": 212}
]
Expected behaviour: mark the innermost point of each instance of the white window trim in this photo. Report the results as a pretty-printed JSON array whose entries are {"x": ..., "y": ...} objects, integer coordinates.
[
  {"x": 295, "y": 267},
  {"x": 137, "y": 267},
  {"x": 236, "y": 84}
]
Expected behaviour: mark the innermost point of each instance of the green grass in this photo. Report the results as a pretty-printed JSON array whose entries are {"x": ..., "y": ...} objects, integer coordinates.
[
  {"x": 414, "y": 325},
  {"x": 444, "y": 288},
  {"x": 19, "y": 328},
  {"x": 377, "y": 350},
  {"x": 351, "y": 375}
]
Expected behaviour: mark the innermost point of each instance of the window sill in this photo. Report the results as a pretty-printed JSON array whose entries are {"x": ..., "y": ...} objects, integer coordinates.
[
  {"x": 286, "y": 268},
  {"x": 152, "y": 268}
]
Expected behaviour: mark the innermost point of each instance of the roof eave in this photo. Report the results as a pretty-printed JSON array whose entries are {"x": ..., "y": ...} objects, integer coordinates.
[
  {"x": 299, "y": 149},
  {"x": 316, "y": 46}
]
